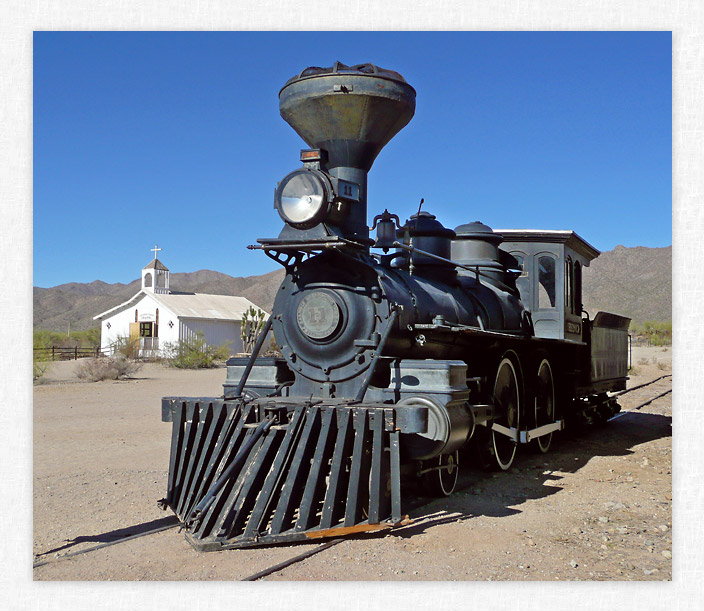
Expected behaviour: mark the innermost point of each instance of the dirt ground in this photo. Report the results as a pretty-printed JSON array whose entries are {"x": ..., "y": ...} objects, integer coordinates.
[{"x": 598, "y": 506}]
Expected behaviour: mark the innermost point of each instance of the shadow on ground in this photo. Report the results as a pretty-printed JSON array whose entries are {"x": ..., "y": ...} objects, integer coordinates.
[
  {"x": 533, "y": 475},
  {"x": 113, "y": 535}
]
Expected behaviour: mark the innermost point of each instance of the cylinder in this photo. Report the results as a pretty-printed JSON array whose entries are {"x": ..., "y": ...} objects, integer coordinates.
[{"x": 449, "y": 428}]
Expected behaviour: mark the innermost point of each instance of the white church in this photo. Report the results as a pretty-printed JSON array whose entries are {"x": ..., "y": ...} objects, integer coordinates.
[{"x": 159, "y": 317}]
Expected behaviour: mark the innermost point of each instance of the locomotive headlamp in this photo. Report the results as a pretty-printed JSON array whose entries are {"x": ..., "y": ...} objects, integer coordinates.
[
  {"x": 309, "y": 196},
  {"x": 303, "y": 198}
]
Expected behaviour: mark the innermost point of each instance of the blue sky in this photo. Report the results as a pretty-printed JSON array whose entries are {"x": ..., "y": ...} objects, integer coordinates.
[{"x": 176, "y": 139}]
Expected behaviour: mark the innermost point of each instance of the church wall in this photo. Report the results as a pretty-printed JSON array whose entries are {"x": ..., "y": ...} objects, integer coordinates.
[
  {"x": 167, "y": 334},
  {"x": 146, "y": 312},
  {"x": 215, "y": 332},
  {"x": 118, "y": 327}
]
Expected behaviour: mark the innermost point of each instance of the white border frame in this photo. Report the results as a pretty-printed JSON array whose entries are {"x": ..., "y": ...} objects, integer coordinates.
[{"x": 19, "y": 18}]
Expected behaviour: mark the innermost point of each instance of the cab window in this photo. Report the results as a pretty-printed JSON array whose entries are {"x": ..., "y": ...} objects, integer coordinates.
[
  {"x": 546, "y": 282},
  {"x": 569, "y": 285},
  {"x": 578, "y": 288}
]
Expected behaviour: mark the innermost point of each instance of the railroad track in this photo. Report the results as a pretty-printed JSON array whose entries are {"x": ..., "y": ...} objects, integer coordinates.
[
  {"x": 648, "y": 402},
  {"x": 623, "y": 392},
  {"x": 420, "y": 503}
]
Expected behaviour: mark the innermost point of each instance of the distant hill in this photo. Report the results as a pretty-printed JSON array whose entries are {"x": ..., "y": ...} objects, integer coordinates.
[{"x": 634, "y": 282}]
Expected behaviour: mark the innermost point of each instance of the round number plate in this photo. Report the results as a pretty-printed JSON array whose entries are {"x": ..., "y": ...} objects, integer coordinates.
[{"x": 318, "y": 315}]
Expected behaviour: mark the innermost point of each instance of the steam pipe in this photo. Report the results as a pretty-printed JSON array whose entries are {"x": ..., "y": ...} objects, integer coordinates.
[
  {"x": 471, "y": 268},
  {"x": 363, "y": 390}
]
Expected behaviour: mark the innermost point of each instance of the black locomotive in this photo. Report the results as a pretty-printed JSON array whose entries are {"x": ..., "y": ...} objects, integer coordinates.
[{"x": 396, "y": 351}]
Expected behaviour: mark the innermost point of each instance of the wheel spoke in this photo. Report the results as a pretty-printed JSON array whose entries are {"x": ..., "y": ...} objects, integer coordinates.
[
  {"x": 441, "y": 479},
  {"x": 507, "y": 409},
  {"x": 544, "y": 403}
]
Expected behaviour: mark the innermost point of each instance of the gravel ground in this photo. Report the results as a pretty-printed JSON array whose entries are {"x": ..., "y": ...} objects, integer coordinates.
[{"x": 597, "y": 507}]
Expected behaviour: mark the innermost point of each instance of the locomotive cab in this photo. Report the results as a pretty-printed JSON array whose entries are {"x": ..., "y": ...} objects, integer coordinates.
[{"x": 550, "y": 283}]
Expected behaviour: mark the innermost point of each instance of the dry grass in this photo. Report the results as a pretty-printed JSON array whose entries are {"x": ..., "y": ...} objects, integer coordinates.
[{"x": 107, "y": 368}]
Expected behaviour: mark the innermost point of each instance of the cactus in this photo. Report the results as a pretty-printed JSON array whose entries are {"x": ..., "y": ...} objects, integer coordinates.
[{"x": 253, "y": 321}]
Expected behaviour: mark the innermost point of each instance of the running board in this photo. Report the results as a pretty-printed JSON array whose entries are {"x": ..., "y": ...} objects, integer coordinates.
[{"x": 315, "y": 471}]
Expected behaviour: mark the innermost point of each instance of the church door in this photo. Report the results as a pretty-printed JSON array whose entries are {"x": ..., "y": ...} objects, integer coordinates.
[
  {"x": 134, "y": 331},
  {"x": 146, "y": 329}
]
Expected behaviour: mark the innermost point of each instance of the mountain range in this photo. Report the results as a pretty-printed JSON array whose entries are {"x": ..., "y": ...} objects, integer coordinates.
[{"x": 635, "y": 282}]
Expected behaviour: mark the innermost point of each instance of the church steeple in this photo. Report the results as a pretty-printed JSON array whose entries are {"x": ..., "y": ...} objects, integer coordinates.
[{"x": 155, "y": 275}]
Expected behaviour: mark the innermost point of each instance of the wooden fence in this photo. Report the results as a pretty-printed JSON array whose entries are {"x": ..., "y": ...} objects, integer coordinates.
[{"x": 58, "y": 353}]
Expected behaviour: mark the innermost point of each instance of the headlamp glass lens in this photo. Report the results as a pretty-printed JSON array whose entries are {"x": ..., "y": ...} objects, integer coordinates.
[{"x": 301, "y": 198}]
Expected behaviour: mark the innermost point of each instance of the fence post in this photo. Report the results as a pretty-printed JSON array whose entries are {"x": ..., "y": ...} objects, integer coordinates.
[
  {"x": 52, "y": 353},
  {"x": 75, "y": 353}
]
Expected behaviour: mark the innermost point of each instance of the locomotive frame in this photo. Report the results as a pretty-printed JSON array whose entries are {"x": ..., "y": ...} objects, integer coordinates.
[{"x": 391, "y": 363}]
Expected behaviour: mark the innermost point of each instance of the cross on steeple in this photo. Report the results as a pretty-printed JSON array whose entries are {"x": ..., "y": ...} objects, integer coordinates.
[{"x": 155, "y": 249}]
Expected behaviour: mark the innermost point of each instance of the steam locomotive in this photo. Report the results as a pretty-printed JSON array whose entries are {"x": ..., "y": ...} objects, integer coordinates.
[{"x": 396, "y": 351}]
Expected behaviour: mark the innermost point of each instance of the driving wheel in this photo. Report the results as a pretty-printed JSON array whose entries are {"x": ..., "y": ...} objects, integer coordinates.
[
  {"x": 544, "y": 403},
  {"x": 507, "y": 404}
]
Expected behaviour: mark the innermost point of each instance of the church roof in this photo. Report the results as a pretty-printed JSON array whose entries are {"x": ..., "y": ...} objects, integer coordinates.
[
  {"x": 156, "y": 264},
  {"x": 202, "y": 305},
  {"x": 192, "y": 305}
]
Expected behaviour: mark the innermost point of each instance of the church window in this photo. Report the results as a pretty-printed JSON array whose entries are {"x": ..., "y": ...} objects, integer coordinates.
[{"x": 147, "y": 279}]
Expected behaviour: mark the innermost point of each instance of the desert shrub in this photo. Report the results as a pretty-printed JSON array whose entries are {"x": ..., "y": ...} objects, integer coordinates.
[
  {"x": 663, "y": 366},
  {"x": 38, "y": 369},
  {"x": 87, "y": 339},
  {"x": 81, "y": 339},
  {"x": 653, "y": 332},
  {"x": 273, "y": 349},
  {"x": 127, "y": 347},
  {"x": 107, "y": 368},
  {"x": 634, "y": 371},
  {"x": 44, "y": 339},
  {"x": 40, "y": 354},
  {"x": 643, "y": 361},
  {"x": 195, "y": 353}
]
